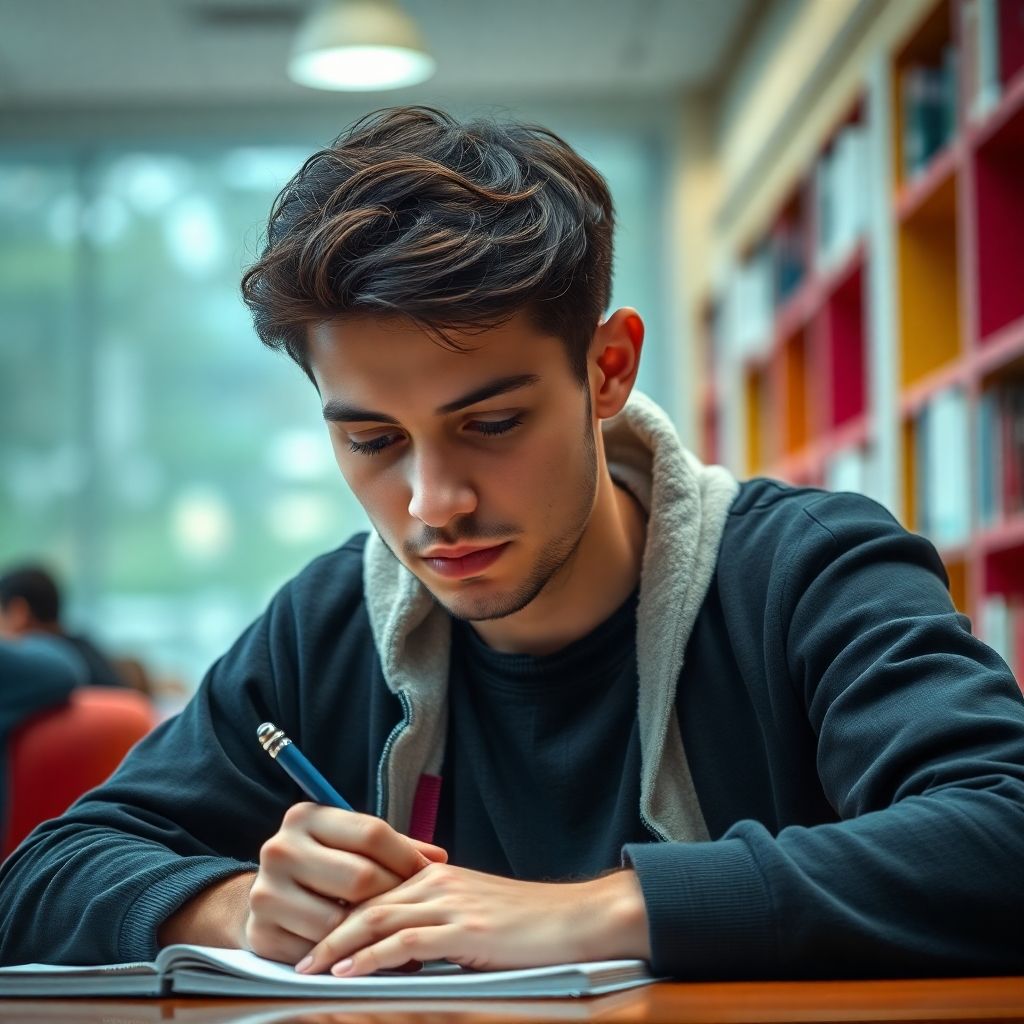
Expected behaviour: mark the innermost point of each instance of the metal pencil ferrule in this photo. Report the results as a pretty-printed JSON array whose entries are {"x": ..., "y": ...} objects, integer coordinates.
[{"x": 272, "y": 739}]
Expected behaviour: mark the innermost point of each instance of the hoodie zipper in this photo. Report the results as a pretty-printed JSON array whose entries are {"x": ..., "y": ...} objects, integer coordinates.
[{"x": 385, "y": 757}]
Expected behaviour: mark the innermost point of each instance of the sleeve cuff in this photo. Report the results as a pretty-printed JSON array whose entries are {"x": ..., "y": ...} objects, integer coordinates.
[
  {"x": 172, "y": 888},
  {"x": 708, "y": 909}
]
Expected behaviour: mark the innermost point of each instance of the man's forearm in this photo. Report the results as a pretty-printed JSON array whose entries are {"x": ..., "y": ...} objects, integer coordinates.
[{"x": 214, "y": 917}]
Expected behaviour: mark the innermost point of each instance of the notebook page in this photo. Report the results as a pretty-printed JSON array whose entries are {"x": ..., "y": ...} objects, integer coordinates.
[{"x": 237, "y": 972}]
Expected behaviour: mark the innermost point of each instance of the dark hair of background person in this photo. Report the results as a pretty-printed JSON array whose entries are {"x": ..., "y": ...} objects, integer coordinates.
[
  {"x": 36, "y": 587},
  {"x": 456, "y": 226}
]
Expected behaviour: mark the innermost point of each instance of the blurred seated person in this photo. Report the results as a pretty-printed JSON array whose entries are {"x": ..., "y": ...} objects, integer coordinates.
[
  {"x": 36, "y": 673},
  {"x": 30, "y": 605}
]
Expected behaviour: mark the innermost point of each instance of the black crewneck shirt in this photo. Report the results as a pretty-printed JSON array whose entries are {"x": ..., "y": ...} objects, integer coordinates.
[{"x": 542, "y": 765}]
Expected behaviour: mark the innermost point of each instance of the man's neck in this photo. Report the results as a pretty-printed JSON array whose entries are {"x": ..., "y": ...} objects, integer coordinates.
[{"x": 602, "y": 573}]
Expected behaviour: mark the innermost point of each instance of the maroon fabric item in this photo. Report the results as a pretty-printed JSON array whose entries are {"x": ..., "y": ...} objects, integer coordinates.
[{"x": 424, "y": 808}]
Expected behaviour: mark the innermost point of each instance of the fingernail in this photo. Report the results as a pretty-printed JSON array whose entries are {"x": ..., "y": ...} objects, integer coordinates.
[
  {"x": 305, "y": 963},
  {"x": 342, "y": 968}
]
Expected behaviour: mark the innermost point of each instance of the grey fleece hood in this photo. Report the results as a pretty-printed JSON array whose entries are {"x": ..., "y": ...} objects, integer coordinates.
[{"x": 686, "y": 504}]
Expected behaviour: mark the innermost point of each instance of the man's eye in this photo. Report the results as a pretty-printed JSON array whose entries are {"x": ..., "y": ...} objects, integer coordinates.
[
  {"x": 373, "y": 447},
  {"x": 494, "y": 427}
]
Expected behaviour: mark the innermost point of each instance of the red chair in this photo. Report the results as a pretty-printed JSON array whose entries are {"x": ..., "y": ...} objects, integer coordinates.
[{"x": 58, "y": 754}]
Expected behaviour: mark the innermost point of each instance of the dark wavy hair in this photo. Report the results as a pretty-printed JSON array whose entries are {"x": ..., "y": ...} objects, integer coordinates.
[{"x": 456, "y": 226}]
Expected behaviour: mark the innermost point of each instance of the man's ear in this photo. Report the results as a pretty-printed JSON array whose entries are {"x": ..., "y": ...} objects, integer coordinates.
[{"x": 615, "y": 360}]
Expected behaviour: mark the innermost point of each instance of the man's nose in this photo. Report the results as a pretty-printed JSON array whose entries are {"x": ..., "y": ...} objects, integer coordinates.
[{"x": 439, "y": 491}]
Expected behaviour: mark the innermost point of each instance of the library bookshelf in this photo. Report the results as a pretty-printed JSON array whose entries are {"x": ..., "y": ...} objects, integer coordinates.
[{"x": 924, "y": 289}]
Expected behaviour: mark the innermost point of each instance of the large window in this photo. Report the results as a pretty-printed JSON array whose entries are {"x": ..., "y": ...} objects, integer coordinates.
[
  {"x": 41, "y": 404},
  {"x": 169, "y": 467},
  {"x": 172, "y": 470}
]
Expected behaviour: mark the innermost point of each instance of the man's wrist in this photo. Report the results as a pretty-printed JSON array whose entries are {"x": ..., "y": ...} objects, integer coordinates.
[
  {"x": 215, "y": 916},
  {"x": 616, "y": 925}
]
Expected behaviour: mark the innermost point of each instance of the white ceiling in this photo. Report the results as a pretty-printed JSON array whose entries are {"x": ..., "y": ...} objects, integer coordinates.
[{"x": 75, "y": 54}]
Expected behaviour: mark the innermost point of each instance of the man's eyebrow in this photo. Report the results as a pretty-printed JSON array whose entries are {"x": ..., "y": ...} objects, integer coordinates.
[
  {"x": 496, "y": 387},
  {"x": 337, "y": 410}
]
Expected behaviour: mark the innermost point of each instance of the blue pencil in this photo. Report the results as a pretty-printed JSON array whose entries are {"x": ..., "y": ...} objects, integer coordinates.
[{"x": 299, "y": 767}]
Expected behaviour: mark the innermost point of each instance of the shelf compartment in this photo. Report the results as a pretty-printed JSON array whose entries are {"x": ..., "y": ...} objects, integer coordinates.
[
  {"x": 845, "y": 345},
  {"x": 930, "y": 324},
  {"x": 839, "y": 199},
  {"x": 758, "y": 402},
  {"x": 999, "y": 207},
  {"x": 790, "y": 245},
  {"x": 999, "y": 419},
  {"x": 794, "y": 396},
  {"x": 937, "y": 468},
  {"x": 923, "y": 99}
]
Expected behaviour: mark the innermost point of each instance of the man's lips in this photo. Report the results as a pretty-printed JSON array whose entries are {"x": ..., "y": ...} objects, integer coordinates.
[
  {"x": 463, "y": 560},
  {"x": 457, "y": 550}
]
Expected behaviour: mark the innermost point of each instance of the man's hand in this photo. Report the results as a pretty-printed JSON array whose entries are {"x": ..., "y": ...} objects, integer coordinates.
[
  {"x": 486, "y": 922},
  {"x": 321, "y": 860}
]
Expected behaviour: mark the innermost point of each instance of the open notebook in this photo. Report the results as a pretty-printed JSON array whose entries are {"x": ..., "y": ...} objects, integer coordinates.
[{"x": 205, "y": 970}]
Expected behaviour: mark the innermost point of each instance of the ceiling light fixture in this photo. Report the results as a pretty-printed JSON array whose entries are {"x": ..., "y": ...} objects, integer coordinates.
[{"x": 359, "y": 45}]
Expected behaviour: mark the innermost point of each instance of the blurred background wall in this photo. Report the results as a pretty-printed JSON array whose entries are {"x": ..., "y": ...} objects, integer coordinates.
[{"x": 174, "y": 473}]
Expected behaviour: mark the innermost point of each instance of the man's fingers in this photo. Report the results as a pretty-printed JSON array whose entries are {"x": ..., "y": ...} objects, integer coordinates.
[
  {"x": 435, "y": 854},
  {"x": 344, "y": 876},
  {"x": 364, "y": 927},
  {"x": 294, "y": 909},
  {"x": 433, "y": 943},
  {"x": 364, "y": 834},
  {"x": 322, "y": 857},
  {"x": 293, "y": 855}
]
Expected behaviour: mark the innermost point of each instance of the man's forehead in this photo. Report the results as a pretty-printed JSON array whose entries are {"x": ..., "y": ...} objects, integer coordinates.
[{"x": 356, "y": 361}]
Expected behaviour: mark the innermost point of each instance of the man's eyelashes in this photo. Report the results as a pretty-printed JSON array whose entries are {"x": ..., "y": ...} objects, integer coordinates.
[
  {"x": 488, "y": 428},
  {"x": 374, "y": 447},
  {"x": 491, "y": 428}
]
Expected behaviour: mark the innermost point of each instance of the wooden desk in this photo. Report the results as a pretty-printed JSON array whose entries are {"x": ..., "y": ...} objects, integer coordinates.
[{"x": 947, "y": 999}]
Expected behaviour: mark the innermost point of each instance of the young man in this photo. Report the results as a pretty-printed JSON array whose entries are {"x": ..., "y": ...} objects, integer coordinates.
[{"x": 738, "y": 730}]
